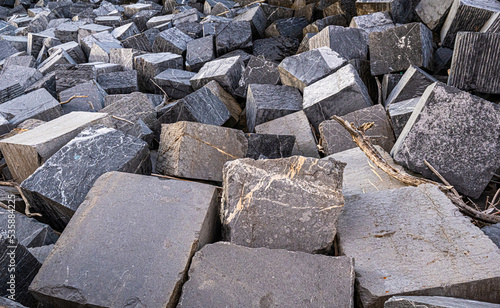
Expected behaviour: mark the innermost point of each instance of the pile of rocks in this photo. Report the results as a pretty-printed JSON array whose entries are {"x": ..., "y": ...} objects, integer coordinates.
[{"x": 183, "y": 153}]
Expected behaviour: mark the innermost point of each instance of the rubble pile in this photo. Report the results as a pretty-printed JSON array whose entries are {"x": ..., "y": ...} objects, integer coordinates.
[{"x": 192, "y": 153}]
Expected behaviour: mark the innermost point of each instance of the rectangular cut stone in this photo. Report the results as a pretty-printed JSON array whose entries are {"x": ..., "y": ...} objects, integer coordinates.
[
  {"x": 226, "y": 71},
  {"x": 119, "y": 82},
  {"x": 288, "y": 203},
  {"x": 295, "y": 124},
  {"x": 466, "y": 15},
  {"x": 151, "y": 64},
  {"x": 361, "y": 176},
  {"x": 92, "y": 97},
  {"x": 414, "y": 241},
  {"x": 60, "y": 185},
  {"x": 397, "y": 48},
  {"x": 182, "y": 144},
  {"x": 457, "y": 133},
  {"x": 236, "y": 35},
  {"x": 374, "y": 22},
  {"x": 411, "y": 85},
  {"x": 227, "y": 266},
  {"x": 337, "y": 94},
  {"x": 199, "y": 52},
  {"x": 335, "y": 138},
  {"x": 475, "y": 57},
  {"x": 24, "y": 153},
  {"x": 258, "y": 71},
  {"x": 289, "y": 27},
  {"x": 401, "y": 10},
  {"x": 350, "y": 43},
  {"x": 435, "y": 302},
  {"x": 266, "y": 146},
  {"x": 188, "y": 223},
  {"x": 432, "y": 13},
  {"x": 175, "y": 82},
  {"x": 171, "y": 40},
  {"x": 15, "y": 79},
  {"x": 276, "y": 48}
]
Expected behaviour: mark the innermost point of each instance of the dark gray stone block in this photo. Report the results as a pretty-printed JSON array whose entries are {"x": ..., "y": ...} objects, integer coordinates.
[
  {"x": 374, "y": 22},
  {"x": 466, "y": 15},
  {"x": 175, "y": 82},
  {"x": 225, "y": 266},
  {"x": 226, "y": 71},
  {"x": 171, "y": 40},
  {"x": 35, "y": 42},
  {"x": 18, "y": 42},
  {"x": 395, "y": 49},
  {"x": 274, "y": 13},
  {"x": 132, "y": 9},
  {"x": 435, "y": 302},
  {"x": 320, "y": 24},
  {"x": 199, "y": 52},
  {"x": 183, "y": 143},
  {"x": 433, "y": 13},
  {"x": 236, "y": 35},
  {"x": 412, "y": 84},
  {"x": 258, "y": 19},
  {"x": 493, "y": 232},
  {"x": 400, "y": 113},
  {"x": 190, "y": 223},
  {"x": 275, "y": 48},
  {"x": 60, "y": 185},
  {"x": 401, "y": 10},
  {"x": 442, "y": 60},
  {"x": 59, "y": 57},
  {"x": 4, "y": 301},
  {"x": 151, "y": 64},
  {"x": 475, "y": 56},
  {"x": 68, "y": 31},
  {"x": 334, "y": 138},
  {"x": 123, "y": 32},
  {"x": 304, "y": 44},
  {"x": 68, "y": 76},
  {"x": 296, "y": 71},
  {"x": 295, "y": 202},
  {"x": 124, "y": 57},
  {"x": 389, "y": 81},
  {"x": 14, "y": 80},
  {"x": 119, "y": 82},
  {"x": 268, "y": 102},
  {"x": 457, "y": 133},
  {"x": 264, "y": 146},
  {"x": 41, "y": 253},
  {"x": 350, "y": 43},
  {"x": 228, "y": 100},
  {"x": 87, "y": 42},
  {"x": 258, "y": 71},
  {"x": 139, "y": 42},
  {"x": 290, "y": 27},
  {"x": 192, "y": 29},
  {"x": 337, "y": 94},
  {"x": 415, "y": 242},
  {"x": 90, "y": 29},
  {"x": 93, "y": 102}
]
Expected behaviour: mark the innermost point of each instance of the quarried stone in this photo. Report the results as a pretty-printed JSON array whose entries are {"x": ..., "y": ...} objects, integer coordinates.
[{"x": 264, "y": 146}]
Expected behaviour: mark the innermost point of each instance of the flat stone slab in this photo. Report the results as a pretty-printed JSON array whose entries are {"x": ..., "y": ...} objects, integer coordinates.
[
  {"x": 350, "y": 43},
  {"x": 198, "y": 151},
  {"x": 265, "y": 146},
  {"x": 175, "y": 235},
  {"x": 272, "y": 277},
  {"x": 60, "y": 185},
  {"x": 414, "y": 241},
  {"x": 226, "y": 71},
  {"x": 288, "y": 203},
  {"x": 24, "y": 153},
  {"x": 435, "y": 302},
  {"x": 457, "y": 133},
  {"x": 335, "y": 138},
  {"x": 412, "y": 84},
  {"x": 295, "y": 124}
]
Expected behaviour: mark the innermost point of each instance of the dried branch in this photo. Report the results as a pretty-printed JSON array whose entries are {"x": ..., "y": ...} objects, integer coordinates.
[
  {"x": 72, "y": 98},
  {"x": 122, "y": 119},
  {"x": 27, "y": 208}
]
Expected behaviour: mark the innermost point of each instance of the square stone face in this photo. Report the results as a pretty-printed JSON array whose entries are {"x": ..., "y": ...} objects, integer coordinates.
[
  {"x": 128, "y": 257},
  {"x": 395, "y": 49},
  {"x": 289, "y": 203},
  {"x": 457, "y": 133},
  {"x": 272, "y": 278},
  {"x": 414, "y": 241},
  {"x": 350, "y": 43}
]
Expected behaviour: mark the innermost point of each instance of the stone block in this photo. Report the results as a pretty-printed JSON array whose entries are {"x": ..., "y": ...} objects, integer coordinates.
[
  {"x": 189, "y": 224},
  {"x": 257, "y": 18},
  {"x": 433, "y": 13},
  {"x": 412, "y": 84},
  {"x": 389, "y": 82},
  {"x": 268, "y": 102},
  {"x": 60, "y": 56},
  {"x": 90, "y": 29},
  {"x": 304, "y": 44},
  {"x": 334, "y": 138},
  {"x": 442, "y": 60},
  {"x": 374, "y": 22},
  {"x": 228, "y": 100},
  {"x": 18, "y": 42},
  {"x": 132, "y": 9},
  {"x": 296, "y": 71},
  {"x": 276, "y": 48},
  {"x": 68, "y": 31},
  {"x": 92, "y": 97},
  {"x": 457, "y": 133},
  {"x": 258, "y": 71},
  {"x": 218, "y": 270},
  {"x": 124, "y": 57},
  {"x": 401, "y": 10},
  {"x": 175, "y": 82},
  {"x": 73, "y": 49},
  {"x": 41, "y": 253},
  {"x": 151, "y": 64},
  {"x": 119, "y": 82},
  {"x": 236, "y": 35},
  {"x": 264, "y": 146},
  {"x": 475, "y": 56},
  {"x": 24, "y": 153},
  {"x": 414, "y": 241},
  {"x": 400, "y": 113},
  {"x": 198, "y": 151},
  {"x": 274, "y": 13},
  {"x": 434, "y": 302},
  {"x": 68, "y": 76},
  {"x": 199, "y": 52},
  {"x": 123, "y": 32},
  {"x": 295, "y": 202},
  {"x": 100, "y": 51},
  {"x": 227, "y": 72},
  {"x": 295, "y": 124},
  {"x": 290, "y": 27},
  {"x": 320, "y": 24},
  {"x": 60, "y": 185},
  {"x": 15, "y": 79},
  {"x": 337, "y": 94},
  {"x": 349, "y": 43},
  {"x": 396, "y": 49},
  {"x": 171, "y": 40}
]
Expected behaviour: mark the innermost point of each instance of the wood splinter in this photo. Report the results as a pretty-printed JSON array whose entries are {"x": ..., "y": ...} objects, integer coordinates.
[
  {"x": 72, "y": 98},
  {"x": 27, "y": 211}
]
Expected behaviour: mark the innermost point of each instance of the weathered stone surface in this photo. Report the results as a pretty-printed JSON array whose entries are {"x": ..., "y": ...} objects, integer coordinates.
[
  {"x": 258, "y": 71},
  {"x": 334, "y": 138},
  {"x": 15, "y": 79},
  {"x": 60, "y": 185},
  {"x": 350, "y": 43},
  {"x": 10, "y": 303},
  {"x": 446, "y": 129},
  {"x": 304, "y": 45},
  {"x": 361, "y": 176},
  {"x": 119, "y": 82},
  {"x": 412, "y": 84},
  {"x": 401, "y": 10},
  {"x": 228, "y": 100},
  {"x": 337, "y": 94},
  {"x": 274, "y": 13},
  {"x": 400, "y": 113},
  {"x": 295, "y": 202},
  {"x": 18, "y": 42},
  {"x": 132, "y": 9},
  {"x": 24, "y": 153},
  {"x": 267, "y": 102},
  {"x": 395, "y": 49},
  {"x": 175, "y": 82},
  {"x": 100, "y": 51},
  {"x": 151, "y": 64},
  {"x": 171, "y": 40},
  {"x": 187, "y": 225},
  {"x": 434, "y": 302},
  {"x": 227, "y": 266},
  {"x": 475, "y": 56},
  {"x": 92, "y": 100},
  {"x": 258, "y": 19},
  {"x": 296, "y": 71},
  {"x": 493, "y": 232},
  {"x": 90, "y": 29},
  {"x": 198, "y": 151},
  {"x": 124, "y": 57},
  {"x": 236, "y": 35},
  {"x": 87, "y": 42},
  {"x": 276, "y": 48},
  {"x": 60, "y": 56},
  {"x": 199, "y": 52},
  {"x": 125, "y": 31},
  {"x": 264, "y": 146},
  {"x": 68, "y": 31},
  {"x": 38, "y": 104},
  {"x": 466, "y": 15},
  {"x": 295, "y": 124},
  {"x": 73, "y": 49},
  {"x": 227, "y": 72},
  {"x": 414, "y": 241},
  {"x": 290, "y": 27},
  {"x": 433, "y": 13},
  {"x": 374, "y": 22},
  {"x": 493, "y": 24},
  {"x": 41, "y": 253}
]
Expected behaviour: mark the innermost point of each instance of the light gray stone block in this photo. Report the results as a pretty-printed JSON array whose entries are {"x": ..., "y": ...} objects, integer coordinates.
[{"x": 432, "y": 13}]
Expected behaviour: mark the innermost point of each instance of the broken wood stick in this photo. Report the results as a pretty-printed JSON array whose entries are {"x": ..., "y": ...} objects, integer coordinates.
[
  {"x": 72, "y": 98},
  {"x": 27, "y": 211}
]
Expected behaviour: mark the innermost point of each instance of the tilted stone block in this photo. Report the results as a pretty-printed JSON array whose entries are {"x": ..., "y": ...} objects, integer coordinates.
[
  {"x": 433, "y": 13},
  {"x": 236, "y": 35},
  {"x": 151, "y": 64},
  {"x": 350, "y": 43},
  {"x": 119, "y": 82},
  {"x": 199, "y": 52},
  {"x": 412, "y": 84},
  {"x": 374, "y": 22},
  {"x": 175, "y": 82},
  {"x": 88, "y": 96},
  {"x": 258, "y": 71},
  {"x": 227, "y": 72}
]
